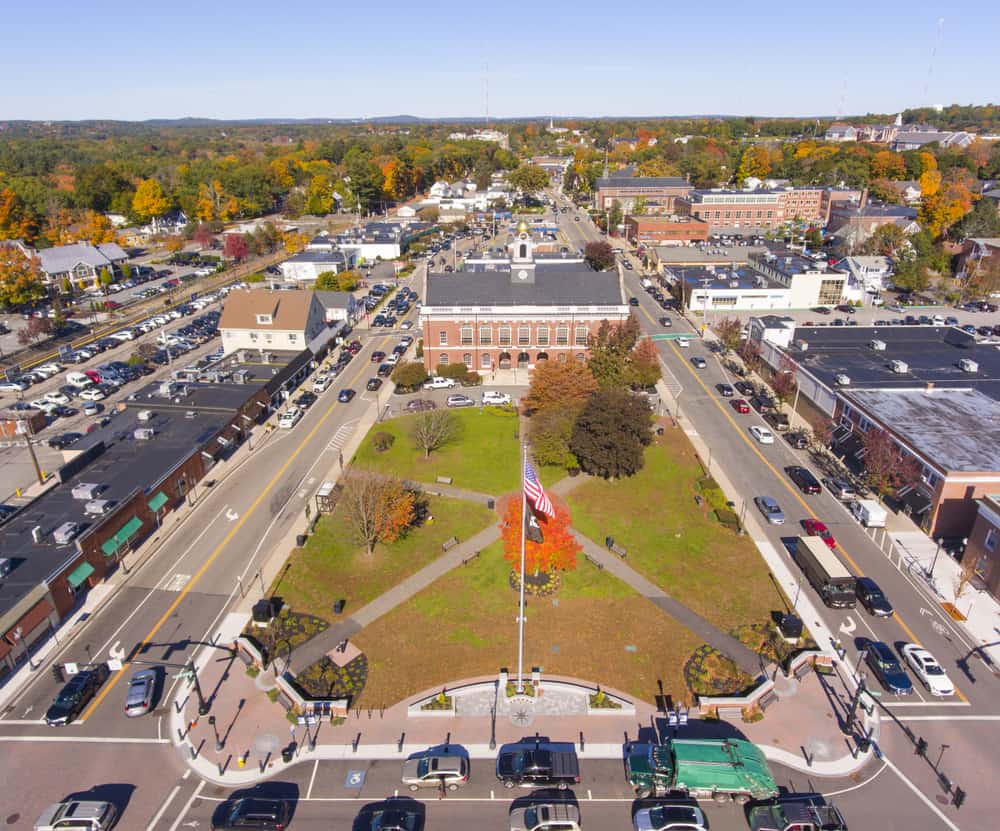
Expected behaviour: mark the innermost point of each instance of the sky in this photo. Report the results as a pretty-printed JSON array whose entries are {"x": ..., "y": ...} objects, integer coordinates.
[{"x": 254, "y": 59}]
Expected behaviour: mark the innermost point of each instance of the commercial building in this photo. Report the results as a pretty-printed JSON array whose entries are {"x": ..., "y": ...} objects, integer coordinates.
[
  {"x": 514, "y": 311},
  {"x": 263, "y": 319},
  {"x": 307, "y": 265},
  {"x": 667, "y": 230},
  {"x": 853, "y": 223},
  {"x": 380, "y": 240},
  {"x": 81, "y": 263},
  {"x": 982, "y": 549},
  {"x": 933, "y": 389},
  {"x": 750, "y": 211},
  {"x": 660, "y": 193}
]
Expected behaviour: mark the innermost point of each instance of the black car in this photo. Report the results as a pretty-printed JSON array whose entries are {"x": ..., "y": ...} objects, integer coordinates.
[
  {"x": 887, "y": 669},
  {"x": 264, "y": 814},
  {"x": 665, "y": 322},
  {"x": 345, "y": 395},
  {"x": 305, "y": 401},
  {"x": 803, "y": 478},
  {"x": 64, "y": 440},
  {"x": 537, "y": 764},
  {"x": 633, "y": 301},
  {"x": 75, "y": 695},
  {"x": 797, "y": 439},
  {"x": 384, "y": 370},
  {"x": 395, "y": 819},
  {"x": 745, "y": 388},
  {"x": 872, "y": 598},
  {"x": 373, "y": 384}
]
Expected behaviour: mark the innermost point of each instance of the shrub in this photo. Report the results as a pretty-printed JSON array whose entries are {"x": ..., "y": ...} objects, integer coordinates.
[
  {"x": 728, "y": 518},
  {"x": 382, "y": 441}
]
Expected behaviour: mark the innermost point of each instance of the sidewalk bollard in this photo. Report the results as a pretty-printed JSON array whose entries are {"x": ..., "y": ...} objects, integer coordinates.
[
  {"x": 399, "y": 744},
  {"x": 582, "y": 743},
  {"x": 241, "y": 761},
  {"x": 355, "y": 743},
  {"x": 194, "y": 751}
]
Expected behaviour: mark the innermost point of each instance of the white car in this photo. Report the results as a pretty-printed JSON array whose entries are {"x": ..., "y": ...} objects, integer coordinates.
[
  {"x": 289, "y": 418},
  {"x": 392, "y": 359},
  {"x": 92, "y": 394},
  {"x": 762, "y": 434},
  {"x": 494, "y": 397},
  {"x": 321, "y": 383},
  {"x": 77, "y": 815},
  {"x": 928, "y": 670},
  {"x": 13, "y": 386},
  {"x": 683, "y": 343},
  {"x": 48, "y": 370},
  {"x": 406, "y": 324},
  {"x": 439, "y": 383},
  {"x": 43, "y": 404},
  {"x": 56, "y": 397},
  {"x": 669, "y": 816}
]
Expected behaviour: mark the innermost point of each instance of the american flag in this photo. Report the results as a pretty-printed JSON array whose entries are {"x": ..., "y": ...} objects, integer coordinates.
[{"x": 535, "y": 492}]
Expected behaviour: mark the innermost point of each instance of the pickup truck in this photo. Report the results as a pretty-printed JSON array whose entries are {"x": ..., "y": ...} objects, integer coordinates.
[
  {"x": 799, "y": 815},
  {"x": 537, "y": 764},
  {"x": 700, "y": 768}
]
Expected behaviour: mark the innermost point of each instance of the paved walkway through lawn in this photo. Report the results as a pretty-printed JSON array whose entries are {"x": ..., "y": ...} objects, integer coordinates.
[{"x": 318, "y": 646}]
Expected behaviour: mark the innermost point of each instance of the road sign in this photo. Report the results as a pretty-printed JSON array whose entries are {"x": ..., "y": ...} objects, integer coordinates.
[
  {"x": 12, "y": 372},
  {"x": 114, "y": 664},
  {"x": 65, "y": 352},
  {"x": 71, "y": 669}
]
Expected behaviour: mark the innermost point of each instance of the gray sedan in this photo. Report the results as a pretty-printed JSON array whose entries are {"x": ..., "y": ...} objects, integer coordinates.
[{"x": 770, "y": 508}]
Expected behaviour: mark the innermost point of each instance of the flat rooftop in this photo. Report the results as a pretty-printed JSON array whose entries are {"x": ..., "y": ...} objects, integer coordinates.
[
  {"x": 932, "y": 355},
  {"x": 740, "y": 278},
  {"x": 792, "y": 262},
  {"x": 554, "y": 284},
  {"x": 671, "y": 255},
  {"x": 956, "y": 429}
]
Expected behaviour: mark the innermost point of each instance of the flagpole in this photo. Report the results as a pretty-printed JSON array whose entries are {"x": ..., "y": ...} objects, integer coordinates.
[{"x": 520, "y": 615}]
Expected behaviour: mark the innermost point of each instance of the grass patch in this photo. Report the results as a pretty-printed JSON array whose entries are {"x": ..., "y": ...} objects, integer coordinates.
[
  {"x": 678, "y": 545},
  {"x": 594, "y": 628},
  {"x": 484, "y": 456},
  {"x": 332, "y": 566}
]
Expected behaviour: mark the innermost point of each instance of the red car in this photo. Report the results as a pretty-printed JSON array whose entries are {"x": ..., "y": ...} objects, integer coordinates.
[
  {"x": 740, "y": 405},
  {"x": 815, "y": 528}
]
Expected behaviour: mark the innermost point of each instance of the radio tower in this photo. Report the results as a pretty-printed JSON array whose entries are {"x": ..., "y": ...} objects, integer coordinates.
[{"x": 486, "y": 82}]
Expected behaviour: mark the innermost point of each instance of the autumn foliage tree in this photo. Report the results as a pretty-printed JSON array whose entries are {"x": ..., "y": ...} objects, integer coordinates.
[
  {"x": 557, "y": 551},
  {"x": 644, "y": 365},
  {"x": 887, "y": 467},
  {"x": 377, "y": 508},
  {"x": 784, "y": 382},
  {"x": 235, "y": 247},
  {"x": 599, "y": 255},
  {"x": 728, "y": 331},
  {"x": 150, "y": 202},
  {"x": 20, "y": 278},
  {"x": 559, "y": 385}
]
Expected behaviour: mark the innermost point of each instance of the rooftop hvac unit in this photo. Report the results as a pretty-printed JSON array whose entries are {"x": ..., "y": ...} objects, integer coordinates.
[
  {"x": 97, "y": 507},
  {"x": 878, "y": 345},
  {"x": 899, "y": 367},
  {"x": 145, "y": 415},
  {"x": 144, "y": 434},
  {"x": 842, "y": 380},
  {"x": 36, "y": 534},
  {"x": 5, "y": 566},
  {"x": 65, "y": 533},
  {"x": 86, "y": 491},
  {"x": 968, "y": 365}
]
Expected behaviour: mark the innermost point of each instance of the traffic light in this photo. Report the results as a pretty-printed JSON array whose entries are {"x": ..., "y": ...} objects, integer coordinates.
[{"x": 921, "y": 749}]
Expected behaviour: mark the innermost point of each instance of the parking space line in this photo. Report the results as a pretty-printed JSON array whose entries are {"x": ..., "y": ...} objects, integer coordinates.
[
  {"x": 312, "y": 780},
  {"x": 163, "y": 808},
  {"x": 187, "y": 805}
]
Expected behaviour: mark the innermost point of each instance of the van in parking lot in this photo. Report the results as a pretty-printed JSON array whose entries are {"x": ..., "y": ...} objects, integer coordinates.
[{"x": 78, "y": 380}]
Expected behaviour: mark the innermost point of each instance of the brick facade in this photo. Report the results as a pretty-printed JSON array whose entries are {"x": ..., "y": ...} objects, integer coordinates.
[
  {"x": 661, "y": 229},
  {"x": 983, "y": 547}
]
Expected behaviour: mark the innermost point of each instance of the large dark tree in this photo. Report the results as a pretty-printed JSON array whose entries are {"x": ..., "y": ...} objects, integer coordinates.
[
  {"x": 600, "y": 255},
  {"x": 610, "y": 433}
]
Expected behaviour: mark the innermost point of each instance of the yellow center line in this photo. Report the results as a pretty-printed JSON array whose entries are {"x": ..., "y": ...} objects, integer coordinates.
[
  {"x": 220, "y": 547},
  {"x": 753, "y": 447}
]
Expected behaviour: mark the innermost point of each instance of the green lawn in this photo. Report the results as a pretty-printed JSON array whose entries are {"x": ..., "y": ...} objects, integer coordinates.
[
  {"x": 595, "y": 628},
  {"x": 331, "y": 565},
  {"x": 675, "y": 543},
  {"x": 484, "y": 456}
]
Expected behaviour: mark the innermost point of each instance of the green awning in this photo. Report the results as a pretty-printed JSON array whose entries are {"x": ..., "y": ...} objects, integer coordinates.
[
  {"x": 80, "y": 573},
  {"x": 111, "y": 546},
  {"x": 157, "y": 501}
]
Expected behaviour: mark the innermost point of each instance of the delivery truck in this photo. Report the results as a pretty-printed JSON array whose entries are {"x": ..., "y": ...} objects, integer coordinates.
[
  {"x": 835, "y": 585},
  {"x": 869, "y": 513}
]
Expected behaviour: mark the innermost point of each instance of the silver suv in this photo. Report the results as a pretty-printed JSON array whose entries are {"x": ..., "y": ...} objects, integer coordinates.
[
  {"x": 431, "y": 771},
  {"x": 77, "y": 816}
]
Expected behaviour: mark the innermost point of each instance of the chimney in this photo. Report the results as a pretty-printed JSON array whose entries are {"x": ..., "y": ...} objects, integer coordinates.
[{"x": 929, "y": 389}]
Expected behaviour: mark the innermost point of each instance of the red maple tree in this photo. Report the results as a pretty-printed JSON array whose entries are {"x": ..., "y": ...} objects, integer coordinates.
[{"x": 557, "y": 551}]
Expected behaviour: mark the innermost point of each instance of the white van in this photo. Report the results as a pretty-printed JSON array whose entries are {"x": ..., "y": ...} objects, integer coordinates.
[
  {"x": 495, "y": 398},
  {"x": 683, "y": 343},
  {"x": 78, "y": 380}
]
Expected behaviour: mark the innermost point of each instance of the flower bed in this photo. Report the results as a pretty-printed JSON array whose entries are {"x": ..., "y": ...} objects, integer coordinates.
[
  {"x": 439, "y": 702},
  {"x": 286, "y": 632},
  {"x": 600, "y": 700},
  {"x": 543, "y": 584},
  {"x": 709, "y": 672},
  {"x": 511, "y": 689},
  {"x": 324, "y": 679}
]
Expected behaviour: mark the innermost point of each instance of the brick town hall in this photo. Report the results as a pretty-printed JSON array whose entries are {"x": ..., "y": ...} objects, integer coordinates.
[{"x": 506, "y": 313}]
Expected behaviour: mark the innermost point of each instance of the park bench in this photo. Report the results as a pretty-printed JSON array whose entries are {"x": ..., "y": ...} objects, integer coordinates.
[
  {"x": 444, "y": 480},
  {"x": 802, "y": 670},
  {"x": 470, "y": 558},
  {"x": 730, "y": 713},
  {"x": 767, "y": 700},
  {"x": 449, "y": 544},
  {"x": 595, "y": 561},
  {"x": 620, "y": 550}
]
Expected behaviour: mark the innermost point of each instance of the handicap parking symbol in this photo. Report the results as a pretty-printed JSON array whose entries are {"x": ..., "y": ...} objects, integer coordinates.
[{"x": 354, "y": 779}]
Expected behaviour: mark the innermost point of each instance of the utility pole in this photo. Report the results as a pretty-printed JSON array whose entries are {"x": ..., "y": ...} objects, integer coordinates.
[{"x": 520, "y": 609}]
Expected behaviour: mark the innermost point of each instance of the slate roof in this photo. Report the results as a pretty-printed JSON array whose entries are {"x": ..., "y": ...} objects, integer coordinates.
[
  {"x": 66, "y": 257},
  {"x": 643, "y": 182},
  {"x": 318, "y": 255},
  {"x": 553, "y": 286}
]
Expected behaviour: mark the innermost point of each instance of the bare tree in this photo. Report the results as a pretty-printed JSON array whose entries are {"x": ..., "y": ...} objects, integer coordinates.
[
  {"x": 965, "y": 575},
  {"x": 784, "y": 382},
  {"x": 432, "y": 429},
  {"x": 378, "y": 508}
]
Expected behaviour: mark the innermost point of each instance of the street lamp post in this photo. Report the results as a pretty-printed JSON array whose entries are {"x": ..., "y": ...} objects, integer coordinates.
[
  {"x": 203, "y": 707},
  {"x": 937, "y": 550}
]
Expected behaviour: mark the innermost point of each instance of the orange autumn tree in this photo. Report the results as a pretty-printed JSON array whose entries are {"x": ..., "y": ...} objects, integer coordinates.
[{"x": 558, "y": 550}]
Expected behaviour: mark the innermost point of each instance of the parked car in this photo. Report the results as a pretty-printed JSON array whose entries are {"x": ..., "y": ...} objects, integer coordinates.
[
  {"x": 762, "y": 434},
  {"x": 75, "y": 695},
  {"x": 305, "y": 400},
  {"x": 872, "y": 597},
  {"x": 547, "y": 816},
  {"x": 395, "y": 818},
  {"x": 64, "y": 440},
  {"x": 288, "y": 419},
  {"x": 435, "y": 769},
  {"x": 440, "y": 383},
  {"x": 373, "y": 384},
  {"x": 252, "y": 813},
  {"x": 880, "y": 658},
  {"x": 418, "y": 405},
  {"x": 670, "y": 816},
  {"x": 139, "y": 694},
  {"x": 459, "y": 401},
  {"x": 797, "y": 439},
  {"x": 77, "y": 815},
  {"x": 495, "y": 398},
  {"x": 377, "y": 357},
  {"x": 928, "y": 670},
  {"x": 807, "y": 483},
  {"x": 384, "y": 370},
  {"x": 770, "y": 509},
  {"x": 741, "y": 406},
  {"x": 840, "y": 488},
  {"x": 725, "y": 390},
  {"x": 815, "y": 528},
  {"x": 537, "y": 764},
  {"x": 92, "y": 394}
]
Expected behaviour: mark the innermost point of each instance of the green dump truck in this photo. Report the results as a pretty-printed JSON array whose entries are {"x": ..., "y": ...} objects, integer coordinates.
[{"x": 719, "y": 769}]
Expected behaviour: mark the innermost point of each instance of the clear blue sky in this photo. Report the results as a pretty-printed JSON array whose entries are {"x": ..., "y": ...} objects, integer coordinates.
[{"x": 224, "y": 59}]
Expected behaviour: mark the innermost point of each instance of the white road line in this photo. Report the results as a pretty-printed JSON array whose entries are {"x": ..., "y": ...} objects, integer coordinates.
[
  {"x": 855, "y": 787},
  {"x": 920, "y": 796},
  {"x": 163, "y": 808},
  {"x": 187, "y": 773},
  {"x": 590, "y": 795},
  {"x": 928, "y": 704},
  {"x": 312, "y": 779},
  {"x": 83, "y": 739},
  {"x": 187, "y": 805},
  {"x": 947, "y": 718}
]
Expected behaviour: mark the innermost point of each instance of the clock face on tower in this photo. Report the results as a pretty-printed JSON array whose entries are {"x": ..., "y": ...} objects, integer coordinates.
[{"x": 522, "y": 275}]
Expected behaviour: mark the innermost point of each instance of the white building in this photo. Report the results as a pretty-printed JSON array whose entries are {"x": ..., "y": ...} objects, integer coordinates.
[
  {"x": 871, "y": 272},
  {"x": 307, "y": 265},
  {"x": 263, "y": 319}
]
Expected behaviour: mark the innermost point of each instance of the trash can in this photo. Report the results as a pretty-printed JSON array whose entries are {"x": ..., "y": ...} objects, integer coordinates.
[
  {"x": 338, "y": 606},
  {"x": 300, "y": 540},
  {"x": 491, "y": 504},
  {"x": 288, "y": 753},
  {"x": 609, "y": 541}
]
